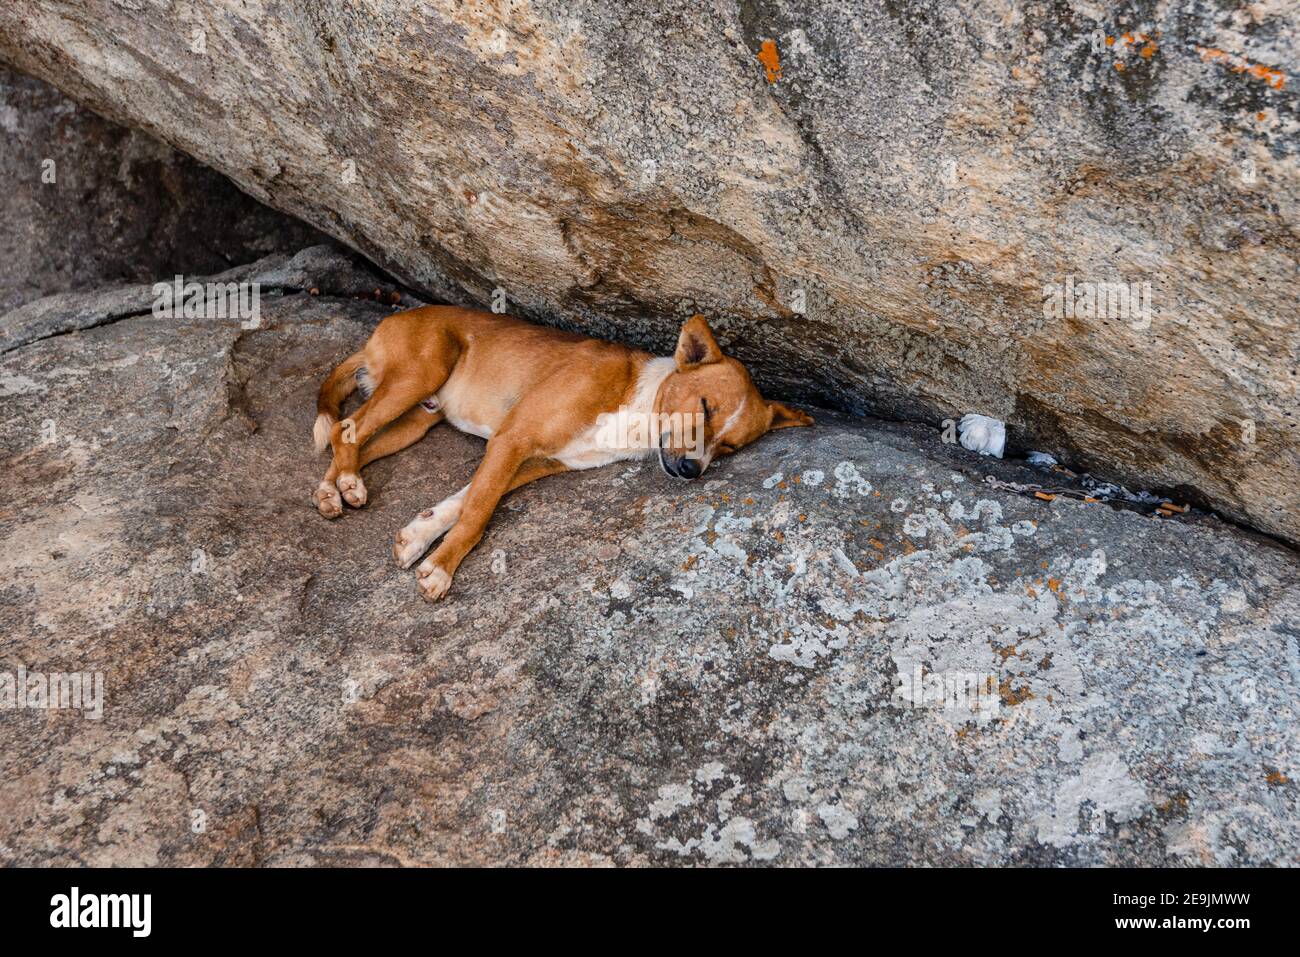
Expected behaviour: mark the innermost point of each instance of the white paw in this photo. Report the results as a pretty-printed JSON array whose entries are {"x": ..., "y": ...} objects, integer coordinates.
[
  {"x": 422, "y": 531},
  {"x": 433, "y": 581},
  {"x": 425, "y": 529},
  {"x": 327, "y": 501},
  {"x": 409, "y": 545},
  {"x": 353, "y": 489}
]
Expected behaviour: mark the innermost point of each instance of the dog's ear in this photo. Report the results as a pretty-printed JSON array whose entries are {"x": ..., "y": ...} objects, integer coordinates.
[
  {"x": 784, "y": 417},
  {"x": 696, "y": 345}
]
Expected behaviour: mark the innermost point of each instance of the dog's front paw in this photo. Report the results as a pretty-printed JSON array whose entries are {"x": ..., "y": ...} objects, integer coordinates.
[
  {"x": 426, "y": 528},
  {"x": 409, "y": 545},
  {"x": 353, "y": 489},
  {"x": 434, "y": 582},
  {"x": 327, "y": 501}
]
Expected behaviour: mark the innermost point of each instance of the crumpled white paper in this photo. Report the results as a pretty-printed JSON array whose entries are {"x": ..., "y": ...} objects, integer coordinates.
[{"x": 981, "y": 434}]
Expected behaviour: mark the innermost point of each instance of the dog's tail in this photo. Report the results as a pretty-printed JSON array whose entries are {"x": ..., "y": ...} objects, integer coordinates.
[{"x": 342, "y": 382}]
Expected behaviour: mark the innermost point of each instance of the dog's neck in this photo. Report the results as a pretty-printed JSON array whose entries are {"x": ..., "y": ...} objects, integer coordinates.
[{"x": 644, "y": 392}]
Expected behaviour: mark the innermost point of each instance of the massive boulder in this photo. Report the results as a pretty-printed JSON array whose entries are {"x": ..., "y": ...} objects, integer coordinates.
[
  {"x": 87, "y": 202},
  {"x": 878, "y": 202},
  {"x": 842, "y": 645}
]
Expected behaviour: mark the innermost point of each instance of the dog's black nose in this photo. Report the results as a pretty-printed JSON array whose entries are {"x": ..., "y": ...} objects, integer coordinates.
[{"x": 688, "y": 468}]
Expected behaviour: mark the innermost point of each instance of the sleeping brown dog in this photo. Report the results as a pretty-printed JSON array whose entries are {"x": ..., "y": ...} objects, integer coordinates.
[{"x": 547, "y": 401}]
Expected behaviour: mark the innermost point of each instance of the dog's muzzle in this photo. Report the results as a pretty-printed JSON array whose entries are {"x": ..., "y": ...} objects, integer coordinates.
[{"x": 680, "y": 466}]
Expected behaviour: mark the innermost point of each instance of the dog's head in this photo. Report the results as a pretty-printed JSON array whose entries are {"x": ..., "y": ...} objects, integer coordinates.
[{"x": 708, "y": 405}]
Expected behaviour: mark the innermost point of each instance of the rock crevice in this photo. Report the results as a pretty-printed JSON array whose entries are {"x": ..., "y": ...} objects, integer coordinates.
[{"x": 873, "y": 200}]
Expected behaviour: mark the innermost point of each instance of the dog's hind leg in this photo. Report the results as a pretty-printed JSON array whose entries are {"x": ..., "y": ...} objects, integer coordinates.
[
  {"x": 408, "y": 359},
  {"x": 392, "y": 397},
  {"x": 408, "y": 429}
]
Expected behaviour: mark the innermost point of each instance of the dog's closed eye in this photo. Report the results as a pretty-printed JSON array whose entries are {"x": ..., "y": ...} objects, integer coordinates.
[{"x": 705, "y": 404}]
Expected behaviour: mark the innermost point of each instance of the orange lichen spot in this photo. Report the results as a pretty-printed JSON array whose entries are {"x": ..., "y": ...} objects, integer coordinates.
[
  {"x": 1134, "y": 39},
  {"x": 1120, "y": 67},
  {"x": 779, "y": 535},
  {"x": 686, "y": 565},
  {"x": 1274, "y": 78},
  {"x": 1275, "y": 777},
  {"x": 1012, "y": 696},
  {"x": 1261, "y": 117},
  {"x": 1175, "y": 805},
  {"x": 749, "y": 501},
  {"x": 771, "y": 60},
  {"x": 1054, "y": 584},
  {"x": 876, "y": 543},
  {"x": 1030, "y": 589},
  {"x": 803, "y": 518},
  {"x": 1048, "y": 496}
]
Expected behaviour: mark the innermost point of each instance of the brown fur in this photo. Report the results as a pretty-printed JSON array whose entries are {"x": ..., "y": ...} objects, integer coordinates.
[{"x": 536, "y": 391}]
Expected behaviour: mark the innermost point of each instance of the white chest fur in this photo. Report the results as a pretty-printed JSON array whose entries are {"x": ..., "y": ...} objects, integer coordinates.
[{"x": 600, "y": 444}]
